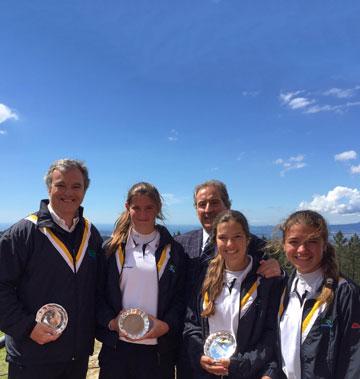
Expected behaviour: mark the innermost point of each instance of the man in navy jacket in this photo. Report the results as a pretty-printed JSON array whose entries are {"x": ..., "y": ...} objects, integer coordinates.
[
  {"x": 210, "y": 199},
  {"x": 51, "y": 256}
]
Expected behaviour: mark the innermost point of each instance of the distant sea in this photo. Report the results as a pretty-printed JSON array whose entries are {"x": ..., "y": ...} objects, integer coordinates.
[{"x": 262, "y": 231}]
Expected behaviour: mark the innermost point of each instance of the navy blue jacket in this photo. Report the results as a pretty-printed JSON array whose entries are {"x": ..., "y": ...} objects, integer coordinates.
[
  {"x": 331, "y": 350},
  {"x": 256, "y": 333},
  {"x": 171, "y": 297},
  {"x": 33, "y": 273}
]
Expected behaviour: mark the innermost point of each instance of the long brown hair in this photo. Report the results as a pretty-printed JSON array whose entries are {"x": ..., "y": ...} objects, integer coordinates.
[
  {"x": 329, "y": 263},
  {"x": 213, "y": 282},
  {"x": 122, "y": 224}
]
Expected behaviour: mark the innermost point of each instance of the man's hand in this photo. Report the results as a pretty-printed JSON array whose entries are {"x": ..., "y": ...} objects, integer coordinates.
[
  {"x": 269, "y": 268},
  {"x": 43, "y": 334},
  {"x": 215, "y": 367}
]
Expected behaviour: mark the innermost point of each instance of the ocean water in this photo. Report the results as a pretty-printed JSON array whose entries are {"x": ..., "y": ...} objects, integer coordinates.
[{"x": 267, "y": 231}]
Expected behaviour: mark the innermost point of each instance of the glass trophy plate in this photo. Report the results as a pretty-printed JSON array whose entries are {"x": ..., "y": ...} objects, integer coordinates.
[
  {"x": 219, "y": 345},
  {"x": 53, "y": 315},
  {"x": 134, "y": 323}
]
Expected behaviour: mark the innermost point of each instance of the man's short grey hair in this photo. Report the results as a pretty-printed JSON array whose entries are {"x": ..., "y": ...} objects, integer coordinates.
[
  {"x": 220, "y": 186},
  {"x": 64, "y": 165}
]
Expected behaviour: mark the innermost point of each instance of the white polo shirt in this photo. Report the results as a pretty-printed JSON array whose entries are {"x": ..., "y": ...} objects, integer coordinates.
[
  {"x": 227, "y": 304},
  {"x": 139, "y": 278},
  {"x": 291, "y": 321}
]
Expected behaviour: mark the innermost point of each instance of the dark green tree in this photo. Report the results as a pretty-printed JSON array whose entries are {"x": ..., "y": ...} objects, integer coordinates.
[{"x": 354, "y": 256}]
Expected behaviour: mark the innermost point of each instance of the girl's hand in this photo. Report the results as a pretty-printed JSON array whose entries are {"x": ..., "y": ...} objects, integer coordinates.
[
  {"x": 215, "y": 367},
  {"x": 158, "y": 329},
  {"x": 114, "y": 327}
]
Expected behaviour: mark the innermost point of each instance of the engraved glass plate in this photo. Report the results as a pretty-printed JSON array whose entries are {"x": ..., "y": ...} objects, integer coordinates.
[
  {"x": 134, "y": 323},
  {"x": 219, "y": 345},
  {"x": 53, "y": 315}
]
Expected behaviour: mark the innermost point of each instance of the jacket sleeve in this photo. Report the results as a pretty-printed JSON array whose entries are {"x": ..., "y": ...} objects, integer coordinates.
[
  {"x": 194, "y": 333},
  {"x": 16, "y": 246},
  {"x": 174, "y": 314},
  {"x": 260, "y": 357},
  {"x": 107, "y": 289},
  {"x": 348, "y": 357}
]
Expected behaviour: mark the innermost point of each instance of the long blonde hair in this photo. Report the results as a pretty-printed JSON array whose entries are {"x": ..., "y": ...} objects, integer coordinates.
[
  {"x": 123, "y": 223},
  {"x": 329, "y": 263},
  {"x": 213, "y": 282}
]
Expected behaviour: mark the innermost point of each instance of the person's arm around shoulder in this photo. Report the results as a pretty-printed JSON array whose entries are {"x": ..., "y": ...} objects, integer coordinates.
[{"x": 269, "y": 267}]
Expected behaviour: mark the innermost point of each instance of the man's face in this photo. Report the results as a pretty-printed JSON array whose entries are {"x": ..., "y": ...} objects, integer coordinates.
[
  {"x": 208, "y": 205},
  {"x": 67, "y": 192}
]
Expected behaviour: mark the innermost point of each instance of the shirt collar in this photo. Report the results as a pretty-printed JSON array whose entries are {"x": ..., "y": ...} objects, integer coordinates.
[
  {"x": 205, "y": 239},
  {"x": 59, "y": 221},
  {"x": 151, "y": 240},
  {"x": 310, "y": 282}
]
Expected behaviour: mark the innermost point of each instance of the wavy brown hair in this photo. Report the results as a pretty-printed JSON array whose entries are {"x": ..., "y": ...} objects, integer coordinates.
[
  {"x": 123, "y": 223},
  {"x": 213, "y": 282},
  {"x": 329, "y": 263}
]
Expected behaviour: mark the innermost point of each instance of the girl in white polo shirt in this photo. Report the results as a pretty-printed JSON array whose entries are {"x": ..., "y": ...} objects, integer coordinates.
[
  {"x": 230, "y": 296},
  {"x": 145, "y": 270},
  {"x": 319, "y": 315}
]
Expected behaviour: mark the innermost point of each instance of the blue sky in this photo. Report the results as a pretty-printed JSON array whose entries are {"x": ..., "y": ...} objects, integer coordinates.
[{"x": 264, "y": 95}]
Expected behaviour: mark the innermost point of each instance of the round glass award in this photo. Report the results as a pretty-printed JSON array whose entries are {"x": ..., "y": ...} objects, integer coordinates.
[
  {"x": 134, "y": 323},
  {"x": 219, "y": 345},
  {"x": 53, "y": 315}
]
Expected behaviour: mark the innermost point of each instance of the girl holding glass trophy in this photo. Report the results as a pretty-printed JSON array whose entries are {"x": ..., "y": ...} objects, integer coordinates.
[
  {"x": 230, "y": 326},
  {"x": 141, "y": 315}
]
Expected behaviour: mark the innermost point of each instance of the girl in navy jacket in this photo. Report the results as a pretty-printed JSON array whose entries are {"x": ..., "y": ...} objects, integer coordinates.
[
  {"x": 145, "y": 269},
  {"x": 319, "y": 315},
  {"x": 230, "y": 296}
]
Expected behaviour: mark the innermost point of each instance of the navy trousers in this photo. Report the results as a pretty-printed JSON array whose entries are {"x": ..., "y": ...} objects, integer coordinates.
[
  {"x": 135, "y": 361},
  {"x": 75, "y": 369}
]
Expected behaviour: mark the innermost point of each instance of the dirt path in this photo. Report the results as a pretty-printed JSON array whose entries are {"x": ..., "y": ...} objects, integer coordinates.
[{"x": 93, "y": 370}]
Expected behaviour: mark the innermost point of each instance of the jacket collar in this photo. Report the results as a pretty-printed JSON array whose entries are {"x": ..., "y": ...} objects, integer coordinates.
[{"x": 45, "y": 219}]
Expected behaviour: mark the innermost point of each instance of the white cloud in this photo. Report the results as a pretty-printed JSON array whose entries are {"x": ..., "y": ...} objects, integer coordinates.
[
  {"x": 2, "y": 132},
  {"x": 341, "y": 93},
  {"x": 340, "y": 200},
  {"x": 287, "y": 96},
  {"x": 250, "y": 93},
  {"x": 174, "y": 135},
  {"x": 293, "y": 101},
  {"x": 296, "y": 100},
  {"x": 324, "y": 108},
  {"x": 292, "y": 163},
  {"x": 346, "y": 155},
  {"x": 299, "y": 102},
  {"x": 6, "y": 114},
  {"x": 342, "y": 108},
  {"x": 355, "y": 169},
  {"x": 170, "y": 198}
]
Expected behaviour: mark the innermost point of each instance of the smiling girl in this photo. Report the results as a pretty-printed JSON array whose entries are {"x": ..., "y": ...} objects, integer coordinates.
[
  {"x": 145, "y": 270},
  {"x": 320, "y": 310},
  {"x": 230, "y": 296}
]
